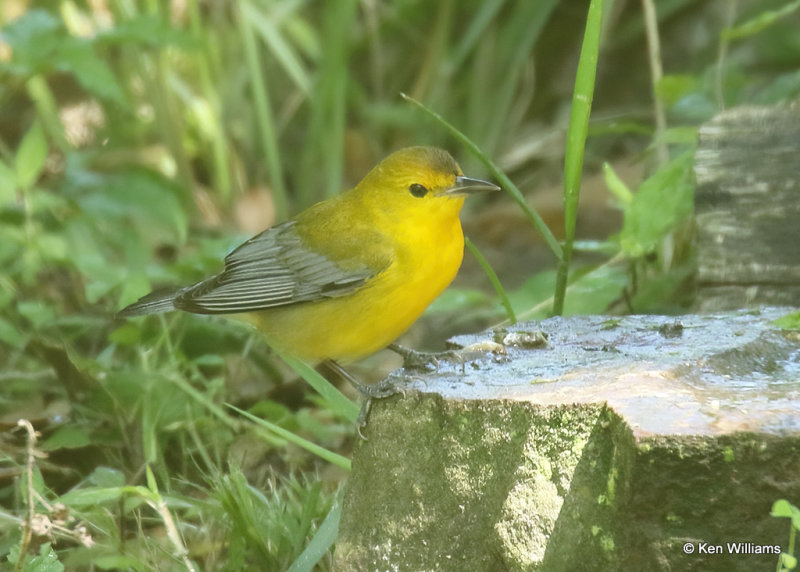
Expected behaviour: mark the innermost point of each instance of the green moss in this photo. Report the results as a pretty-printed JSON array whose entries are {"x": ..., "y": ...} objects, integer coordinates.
[
  {"x": 612, "y": 483},
  {"x": 728, "y": 454},
  {"x": 606, "y": 540},
  {"x": 607, "y": 543}
]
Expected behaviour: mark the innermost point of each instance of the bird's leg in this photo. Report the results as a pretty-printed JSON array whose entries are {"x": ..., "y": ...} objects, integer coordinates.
[
  {"x": 424, "y": 361},
  {"x": 384, "y": 388}
]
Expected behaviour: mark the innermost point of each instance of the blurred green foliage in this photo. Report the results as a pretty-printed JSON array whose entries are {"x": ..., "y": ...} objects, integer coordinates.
[
  {"x": 782, "y": 508},
  {"x": 140, "y": 141}
]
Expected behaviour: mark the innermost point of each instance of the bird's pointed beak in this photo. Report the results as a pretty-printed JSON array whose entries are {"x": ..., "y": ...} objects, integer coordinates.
[{"x": 470, "y": 186}]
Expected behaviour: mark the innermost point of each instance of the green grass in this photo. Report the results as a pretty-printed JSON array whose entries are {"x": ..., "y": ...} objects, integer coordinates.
[{"x": 134, "y": 144}]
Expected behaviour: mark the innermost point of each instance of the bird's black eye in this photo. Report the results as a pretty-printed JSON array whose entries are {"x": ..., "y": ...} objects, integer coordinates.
[{"x": 418, "y": 190}]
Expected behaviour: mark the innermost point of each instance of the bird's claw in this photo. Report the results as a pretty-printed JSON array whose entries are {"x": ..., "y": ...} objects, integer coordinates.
[
  {"x": 425, "y": 361},
  {"x": 361, "y": 420},
  {"x": 387, "y": 387}
]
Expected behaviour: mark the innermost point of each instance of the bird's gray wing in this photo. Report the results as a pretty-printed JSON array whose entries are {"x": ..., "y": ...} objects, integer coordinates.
[{"x": 272, "y": 269}]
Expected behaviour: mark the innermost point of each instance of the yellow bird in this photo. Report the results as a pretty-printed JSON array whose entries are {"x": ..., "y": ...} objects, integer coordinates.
[{"x": 344, "y": 278}]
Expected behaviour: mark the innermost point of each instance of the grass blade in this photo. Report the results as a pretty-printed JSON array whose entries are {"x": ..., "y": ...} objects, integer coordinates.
[
  {"x": 266, "y": 124},
  {"x": 323, "y": 539},
  {"x": 336, "y": 400},
  {"x": 492, "y": 275},
  {"x": 576, "y": 139},
  {"x": 313, "y": 448}
]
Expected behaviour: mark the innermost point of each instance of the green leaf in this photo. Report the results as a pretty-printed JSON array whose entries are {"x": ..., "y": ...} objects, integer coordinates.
[
  {"x": 8, "y": 184},
  {"x": 127, "y": 334},
  {"x": 41, "y": 44},
  {"x": 45, "y": 561},
  {"x": 761, "y": 22},
  {"x": 788, "y": 322},
  {"x": 79, "y": 58},
  {"x": 152, "y": 484},
  {"x": 36, "y": 312},
  {"x": 593, "y": 292},
  {"x": 657, "y": 294},
  {"x": 106, "y": 477},
  {"x": 31, "y": 156},
  {"x": 789, "y": 562},
  {"x": 52, "y": 246},
  {"x": 143, "y": 197},
  {"x": 10, "y": 335},
  {"x": 672, "y": 88},
  {"x": 534, "y": 292},
  {"x": 12, "y": 240},
  {"x": 118, "y": 562},
  {"x": 271, "y": 410},
  {"x": 32, "y": 37},
  {"x": 783, "y": 508},
  {"x": 784, "y": 87},
  {"x": 100, "y": 276},
  {"x": 94, "y": 495},
  {"x": 7, "y": 292},
  {"x": 458, "y": 300},
  {"x": 662, "y": 201},
  {"x": 91, "y": 496},
  {"x": 209, "y": 360},
  {"x": 685, "y": 135},
  {"x": 616, "y": 185},
  {"x": 66, "y": 437},
  {"x": 134, "y": 285},
  {"x": 150, "y": 30}
]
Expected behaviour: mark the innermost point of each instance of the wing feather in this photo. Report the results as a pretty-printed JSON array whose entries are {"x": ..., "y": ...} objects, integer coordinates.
[{"x": 274, "y": 268}]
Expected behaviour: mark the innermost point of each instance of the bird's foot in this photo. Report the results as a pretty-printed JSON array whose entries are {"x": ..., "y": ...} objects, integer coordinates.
[
  {"x": 387, "y": 387},
  {"x": 414, "y": 360}
]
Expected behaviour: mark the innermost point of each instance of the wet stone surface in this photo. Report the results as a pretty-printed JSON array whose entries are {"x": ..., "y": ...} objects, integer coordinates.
[{"x": 688, "y": 375}]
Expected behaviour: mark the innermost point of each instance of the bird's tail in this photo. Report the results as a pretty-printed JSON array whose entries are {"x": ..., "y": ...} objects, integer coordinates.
[{"x": 154, "y": 303}]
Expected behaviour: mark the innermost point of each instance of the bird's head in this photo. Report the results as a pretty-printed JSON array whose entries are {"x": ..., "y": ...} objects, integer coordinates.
[{"x": 419, "y": 179}]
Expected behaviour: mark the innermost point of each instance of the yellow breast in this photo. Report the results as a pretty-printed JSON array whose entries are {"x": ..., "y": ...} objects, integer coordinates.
[{"x": 426, "y": 259}]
